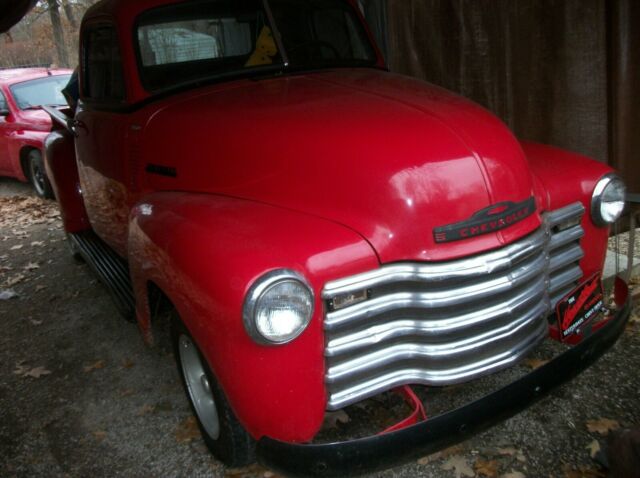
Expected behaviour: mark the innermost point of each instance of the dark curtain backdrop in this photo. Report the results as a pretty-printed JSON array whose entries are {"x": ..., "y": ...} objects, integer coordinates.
[{"x": 562, "y": 72}]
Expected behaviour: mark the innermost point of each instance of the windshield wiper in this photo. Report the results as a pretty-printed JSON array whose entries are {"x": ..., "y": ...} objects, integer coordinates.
[
  {"x": 39, "y": 107},
  {"x": 276, "y": 34}
]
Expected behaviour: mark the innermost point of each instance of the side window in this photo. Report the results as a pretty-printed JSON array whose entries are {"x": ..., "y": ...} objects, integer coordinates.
[
  {"x": 3, "y": 103},
  {"x": 103, "y": 79}
]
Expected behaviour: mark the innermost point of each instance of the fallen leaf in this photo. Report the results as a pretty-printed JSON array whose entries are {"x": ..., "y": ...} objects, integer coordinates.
[
  {"x": 36, "y": 372},
  {"x": 187, "y": 430},
  {"x": 534, "y": 363},
  {"x": 594, "y": 448},
  {"x": 513, "y": 474},
  {"x": 602, "y": 425},
  {"x": 16, "y": 248},
  {"x": 511, "y": 451},
  {"x": 425, "y": 460},
  {"x": 331, "y": 419},
  {"x": 16, "y": 279},
  {"x": 20, "y": 368},
  {"x": 507, "y": 450},
  {"x": 31, "y": 266},
  {"x": 8, "y": 294},
  {"x": 37, "y": 244},
  {"x": 488, "y": 468},
  {"x": 36, "y": 322},
  {"x": 126, "y": 392},
  {"x": 146, "y": 409},
  {"x": 40, "y": 287},
  {"x": 127, "y": 363},
  {"x": 458, "y": 464},
  {"x": 452, "y": 450},
  {"x": 99, "y": 435},
  {"x": 251, "y": 471},
  {"x": 94, "y": 366},
  {"x": 583, "y": 472}
]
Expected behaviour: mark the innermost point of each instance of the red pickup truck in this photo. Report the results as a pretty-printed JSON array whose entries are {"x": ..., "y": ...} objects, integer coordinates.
[{"x": 316, "y": 230}]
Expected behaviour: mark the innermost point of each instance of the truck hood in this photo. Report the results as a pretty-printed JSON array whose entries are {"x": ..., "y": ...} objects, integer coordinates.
[{"x": 387, "y": 156}]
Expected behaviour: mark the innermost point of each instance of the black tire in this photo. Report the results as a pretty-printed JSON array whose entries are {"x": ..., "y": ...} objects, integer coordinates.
[
  {"x": 233, "y": 446},
  {"x": 37, "y": 175}
]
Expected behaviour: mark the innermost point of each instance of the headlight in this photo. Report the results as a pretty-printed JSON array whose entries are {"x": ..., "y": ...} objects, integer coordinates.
[
  {"x": 608, "y": 200},
  {"x": 278, "y": 307}
]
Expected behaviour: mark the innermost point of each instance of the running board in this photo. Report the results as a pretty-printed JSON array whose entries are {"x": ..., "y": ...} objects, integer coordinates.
[{"x": 110, "y": 268}]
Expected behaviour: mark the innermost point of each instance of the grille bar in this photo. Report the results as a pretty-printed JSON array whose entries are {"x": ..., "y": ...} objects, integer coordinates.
[
  {"x": 477, "y": 266},
  {"x": 442, "y": 298},
  {"x": 445, "y": 323},
  {"x": 443, "y": 326},
  {"x": 414, "y": 375}
]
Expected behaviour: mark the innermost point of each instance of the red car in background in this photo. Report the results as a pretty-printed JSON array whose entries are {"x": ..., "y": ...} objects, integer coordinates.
[{"x": 23, "y": 123}]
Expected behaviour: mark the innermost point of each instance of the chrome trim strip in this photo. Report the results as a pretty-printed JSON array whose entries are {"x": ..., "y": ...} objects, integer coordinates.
[
  {"x": 435, "y": 327},
  {"x": 380, "y": 359},
  {"x": 459, "y": 269},
  {"x": 564, "y": 279},
  {"x": 396, "y": 378},
  {"x": 565, "y": 237},
  {"x": 436, "y": 299},
  {"x": 558, "y": 216},
  {"x": 564, "y": 258}
]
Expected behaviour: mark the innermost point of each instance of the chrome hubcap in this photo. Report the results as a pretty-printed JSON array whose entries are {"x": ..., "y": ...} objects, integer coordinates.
[{"x": 198, "y": 386}]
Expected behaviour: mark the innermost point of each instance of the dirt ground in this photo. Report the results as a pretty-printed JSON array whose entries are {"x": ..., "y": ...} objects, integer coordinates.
[{"x": 81, "y": 395}]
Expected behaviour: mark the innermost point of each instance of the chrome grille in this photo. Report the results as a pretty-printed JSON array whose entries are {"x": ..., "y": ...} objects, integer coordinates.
[{"x": 446, "y": 323}]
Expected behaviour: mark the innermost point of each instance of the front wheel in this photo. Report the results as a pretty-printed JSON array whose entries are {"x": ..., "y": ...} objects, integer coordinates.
[
  {"x": 38, "y": 176},
  {"x": 223, "y": 434}
]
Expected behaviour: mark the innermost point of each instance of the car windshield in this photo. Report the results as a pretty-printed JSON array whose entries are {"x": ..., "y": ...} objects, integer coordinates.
[
  {"x": 202, "y": 39},
  {"x": 43, "y": 91}
]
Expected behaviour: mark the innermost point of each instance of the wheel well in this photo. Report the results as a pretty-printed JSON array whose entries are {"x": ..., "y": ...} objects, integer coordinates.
[
  {"x": 161, "y": 313},
  {"x": 24, "y": 156}
]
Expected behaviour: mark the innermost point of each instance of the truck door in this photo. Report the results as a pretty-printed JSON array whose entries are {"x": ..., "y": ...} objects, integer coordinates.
[{"x": 100, "y": 135}]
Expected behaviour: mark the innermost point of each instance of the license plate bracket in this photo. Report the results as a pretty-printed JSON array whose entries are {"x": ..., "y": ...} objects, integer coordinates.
[{"x": 580, "y": 306}]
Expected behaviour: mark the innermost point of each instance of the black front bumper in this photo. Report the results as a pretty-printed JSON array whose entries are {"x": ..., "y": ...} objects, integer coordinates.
[{"x": 383, "y": 451}]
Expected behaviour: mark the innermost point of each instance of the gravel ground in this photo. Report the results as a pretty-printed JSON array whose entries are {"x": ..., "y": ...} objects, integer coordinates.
[{"x": 81, "y": 395}]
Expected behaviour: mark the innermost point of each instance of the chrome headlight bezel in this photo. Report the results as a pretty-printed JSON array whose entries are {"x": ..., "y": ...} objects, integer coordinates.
[
  {"x": 259, "y": 290},
  {"x": 608, "y": 181}
]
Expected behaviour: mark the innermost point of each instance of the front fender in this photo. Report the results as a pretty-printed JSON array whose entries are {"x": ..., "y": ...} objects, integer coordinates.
[
  {"x": 205, "y": 252},
  {"x": 566, "y": 178},
  {"x": 20, "y": 140}
]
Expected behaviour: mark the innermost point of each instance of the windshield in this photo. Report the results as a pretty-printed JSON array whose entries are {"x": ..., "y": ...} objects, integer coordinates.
[
  {"x": 322, "y": 33},
  {"x": 43, "y": 91},
  {"x": 202, "y": 39}
]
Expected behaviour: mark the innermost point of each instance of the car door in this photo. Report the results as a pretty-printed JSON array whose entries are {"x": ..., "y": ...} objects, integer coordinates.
[
  {"x": 5, "y": 166},
  {"x": 100, "y": 135}
]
